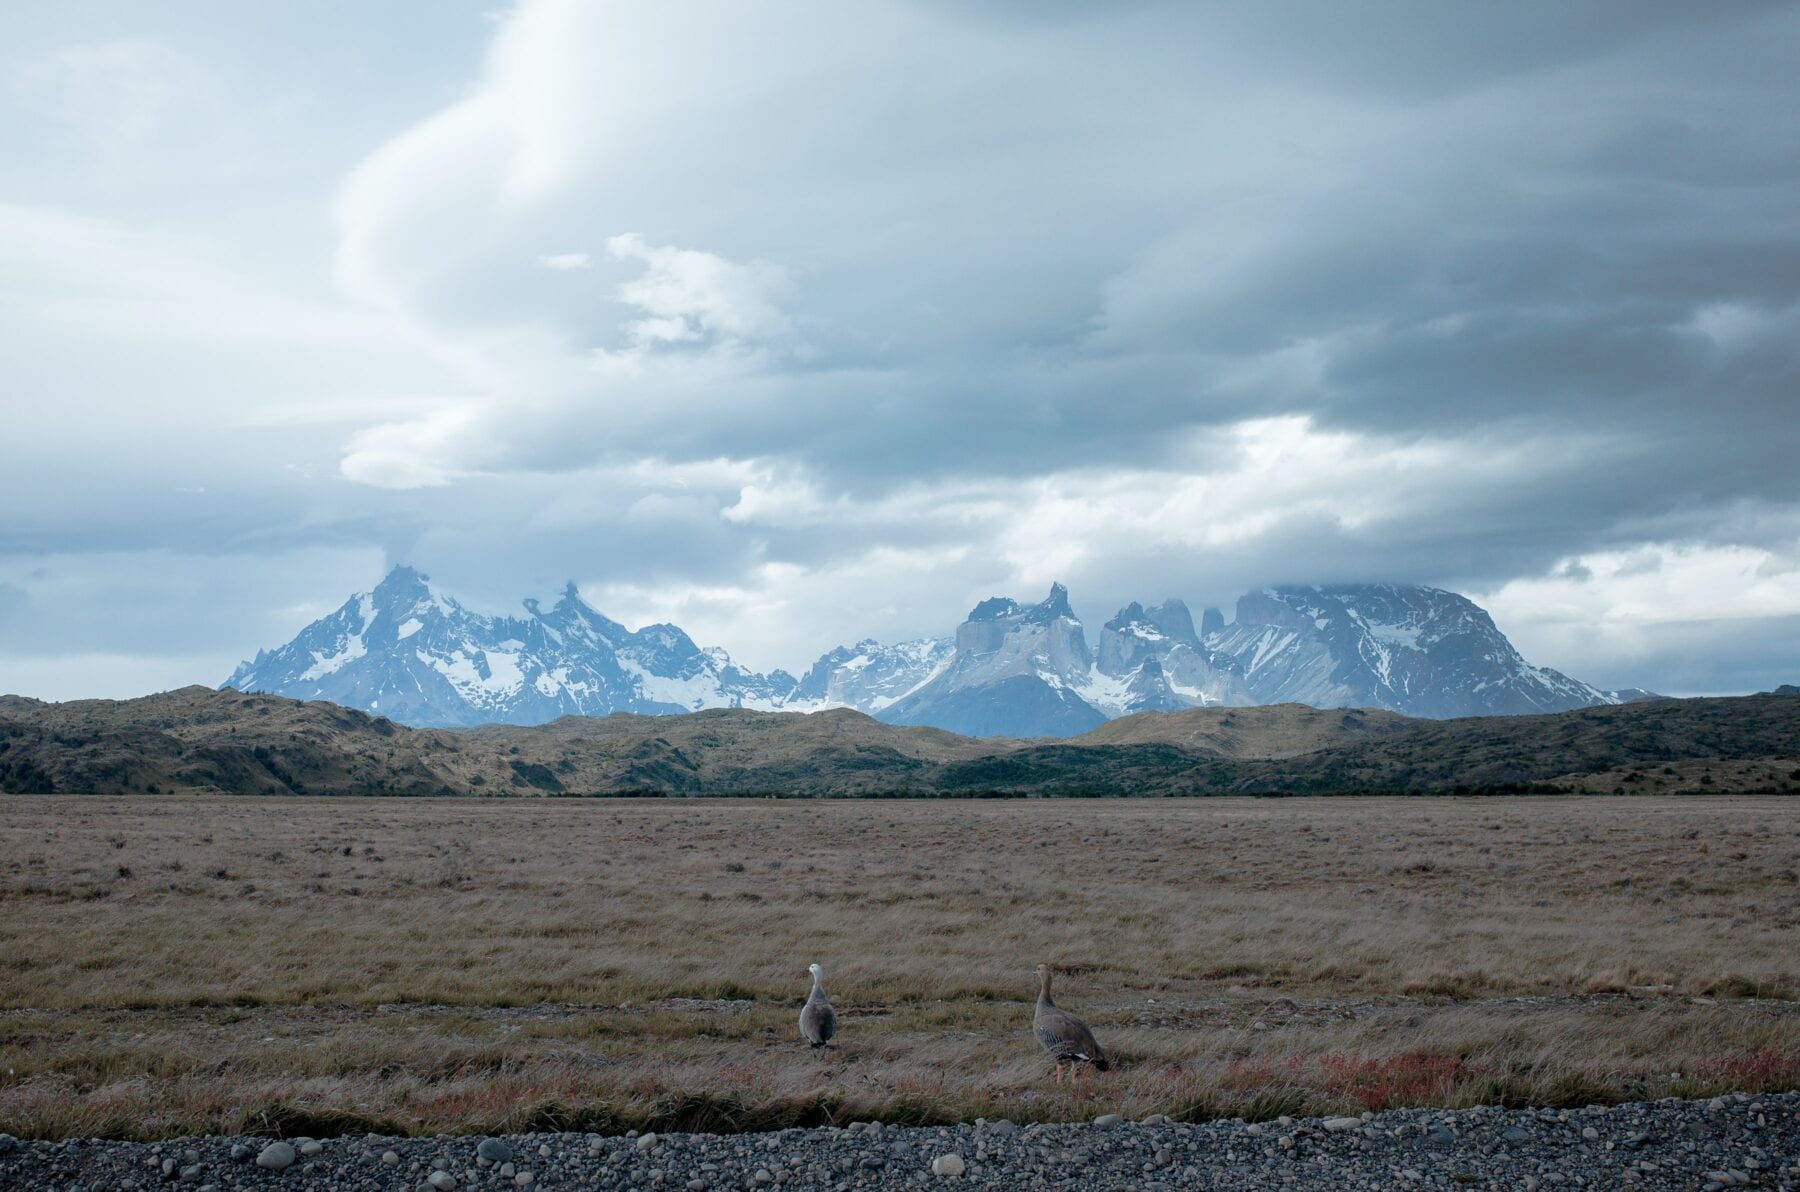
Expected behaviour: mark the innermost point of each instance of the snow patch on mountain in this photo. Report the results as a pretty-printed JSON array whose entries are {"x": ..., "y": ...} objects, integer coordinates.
[{"x": 418, "y": 656}]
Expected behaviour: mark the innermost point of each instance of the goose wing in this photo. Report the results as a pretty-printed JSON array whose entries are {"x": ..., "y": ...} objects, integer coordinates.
[
  {"x": 818, "y": 1021},
  {"x": 1066, "y": 1037}
]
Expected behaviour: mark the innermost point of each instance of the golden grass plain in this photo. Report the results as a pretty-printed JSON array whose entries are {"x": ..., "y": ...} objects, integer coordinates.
[{"x": 182, "y": 965}]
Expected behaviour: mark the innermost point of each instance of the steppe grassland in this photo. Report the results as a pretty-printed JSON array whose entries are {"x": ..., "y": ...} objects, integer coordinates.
[{"x": 176, "y": 965}]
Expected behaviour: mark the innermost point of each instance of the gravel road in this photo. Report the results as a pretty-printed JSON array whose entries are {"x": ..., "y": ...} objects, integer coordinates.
[{"x": 1735, "y": 1141}]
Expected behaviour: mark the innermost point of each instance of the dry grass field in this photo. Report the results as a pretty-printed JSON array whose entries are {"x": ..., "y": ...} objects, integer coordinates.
[{"x": 176, "y": 965}]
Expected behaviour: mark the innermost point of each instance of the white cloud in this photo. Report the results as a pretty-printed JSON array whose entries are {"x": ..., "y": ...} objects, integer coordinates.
[
  {"x": 689, "y": 296},
  {"x": 913, "y": 559},
  {"x": 412, "y": 454},
  {"x": 1603, "y": 610},
  {"x": 1655, "y": 584},
  {"x": 782, "y": 614},
  {"x": 923, "y": 301}
]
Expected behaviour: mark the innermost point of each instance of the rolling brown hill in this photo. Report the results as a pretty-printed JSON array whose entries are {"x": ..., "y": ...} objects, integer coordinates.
[
  {"x": 1274, "y": 731},
  {"x": 197, "y": 739}
]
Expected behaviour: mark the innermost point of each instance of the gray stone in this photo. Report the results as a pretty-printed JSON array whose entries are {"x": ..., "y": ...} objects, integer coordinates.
[
  {"x": 443, "y": 1181},
  {"x": 1515, "y": 1134},
  {"x": 645, "y": 1141},
  {"x": 493, "y": 1150},
  {"x": 277, "y": 1156},
  {"x": 391, "y": 1158},
  {"x": 1338, "y": 1125},
  {"x": 309, "y": 1148},
  {"x": 1108, "y": 1119},
  {"x": 524, "y": 1179},
  {"x": 950, "y": 1165}
]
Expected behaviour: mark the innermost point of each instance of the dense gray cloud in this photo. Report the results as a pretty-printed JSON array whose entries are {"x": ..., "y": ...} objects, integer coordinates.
[{"x": 799, "y": 322}]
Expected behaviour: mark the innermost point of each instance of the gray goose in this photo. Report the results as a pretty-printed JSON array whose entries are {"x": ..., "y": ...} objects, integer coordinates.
[
  {"x": 818, "y": 1021},
  {"x": 1063, "y": 1035}
]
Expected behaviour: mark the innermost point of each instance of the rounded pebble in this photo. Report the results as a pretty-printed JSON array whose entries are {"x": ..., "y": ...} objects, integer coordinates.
[
  {"x": 277, "y": 1156},
  {"x": 948, "y": 1165}
]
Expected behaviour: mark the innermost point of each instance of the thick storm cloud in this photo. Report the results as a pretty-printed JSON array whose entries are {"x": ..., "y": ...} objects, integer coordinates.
[{"x": 803, "y": 322}]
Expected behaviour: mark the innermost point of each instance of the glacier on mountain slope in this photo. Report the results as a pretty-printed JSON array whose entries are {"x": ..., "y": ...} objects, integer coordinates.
[{"x": 1011, "y": 669}]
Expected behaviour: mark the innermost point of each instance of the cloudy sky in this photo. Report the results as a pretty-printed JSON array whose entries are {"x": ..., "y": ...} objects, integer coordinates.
[{"x": 795, "y": 323}]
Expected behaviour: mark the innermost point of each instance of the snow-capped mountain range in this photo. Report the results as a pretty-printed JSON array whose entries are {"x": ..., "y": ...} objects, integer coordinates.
[{"x": 412, "y": 654}]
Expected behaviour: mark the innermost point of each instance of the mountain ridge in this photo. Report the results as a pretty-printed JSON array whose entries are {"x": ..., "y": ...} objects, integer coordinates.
[{"x": 1011, "y": 669}]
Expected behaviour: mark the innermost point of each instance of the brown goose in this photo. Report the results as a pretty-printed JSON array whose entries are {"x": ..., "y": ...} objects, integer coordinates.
[
  {"x": 1063, "y": 1035},
  {"x": 818, "y": 1021}
]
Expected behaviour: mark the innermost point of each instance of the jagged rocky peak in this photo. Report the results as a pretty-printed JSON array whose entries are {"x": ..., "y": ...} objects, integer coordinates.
[
  {"x": 402, "y": 582},
  {"x": 1000, "y": 623},
  {"x": 1016, "y": 670},
  {"x": 1131, "y": 614},
  {"x": 1175, "y": 622},
  {"x": 996, "y": 608},
  {"x": 1055, "y": 605},
  {"x": 1127, "y": 640},
  {"x": 870, "y": 676},
  {"x": 1166, "y": 625},
  {"x": 409, "y": 653},
  {"x": 575, "y": 619},
  {"x": 406, "y": 651},
  {"x": 1157, "y": 663}
]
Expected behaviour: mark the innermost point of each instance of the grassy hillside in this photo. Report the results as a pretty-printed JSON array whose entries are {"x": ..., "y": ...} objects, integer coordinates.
[{"x": 199, "y": 740}]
